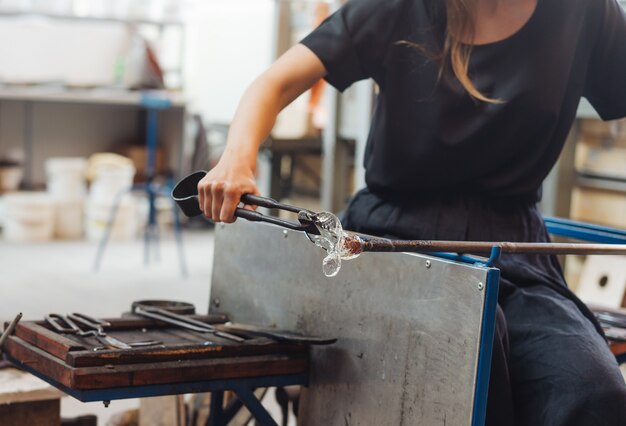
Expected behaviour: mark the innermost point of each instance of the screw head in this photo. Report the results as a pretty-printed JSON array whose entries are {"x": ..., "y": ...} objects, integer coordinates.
[
  {"x": 285, "y": 233},
  {"x": 217, "y": 302},
  {"x": 428, "y": 263},
  {"x": 481, "y": 286}
]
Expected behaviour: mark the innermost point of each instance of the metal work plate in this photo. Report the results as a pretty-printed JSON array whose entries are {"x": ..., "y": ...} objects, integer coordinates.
[{"x": 409, "y": 326}]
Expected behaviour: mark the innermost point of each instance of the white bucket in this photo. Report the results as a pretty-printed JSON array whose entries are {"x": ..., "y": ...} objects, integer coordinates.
[
  {"x": 69, "y": 219},
  {"x": 98, "y": 213},
  {"x": 29, "y": 216},
  {"x": 109, "y": 182},
  {"x": 66, "y": 178}
]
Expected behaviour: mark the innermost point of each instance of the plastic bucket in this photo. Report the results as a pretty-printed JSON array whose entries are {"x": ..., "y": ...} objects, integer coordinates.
[
  {"x": 98, "y": 214},
  {"x": 66, "y": 178},
  {"x": 69, "y": 219},
  {"x": 29, "y": 216},
  {"x": 109, "y": 182}
]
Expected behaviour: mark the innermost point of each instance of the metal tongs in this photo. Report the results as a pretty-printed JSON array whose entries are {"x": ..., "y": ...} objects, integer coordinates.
[
  {"x": 68, "y": 324},
  {"x": 185, "y": 194},
  {"x": 182, "y": 321}
]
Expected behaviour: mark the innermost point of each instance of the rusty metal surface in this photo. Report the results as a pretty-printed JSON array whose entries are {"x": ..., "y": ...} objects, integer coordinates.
[
  {"x": 408, "y": 325},
  {"x": 484, "y": 247}
]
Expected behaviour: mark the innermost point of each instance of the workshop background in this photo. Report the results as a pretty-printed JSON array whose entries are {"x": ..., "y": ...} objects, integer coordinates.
[{"x": 104, "y": 104}]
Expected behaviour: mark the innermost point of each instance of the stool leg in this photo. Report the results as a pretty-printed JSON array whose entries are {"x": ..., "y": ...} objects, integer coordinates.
[
  {"x": 107, "y": 230},
  {"x": 217, "y": 409}
]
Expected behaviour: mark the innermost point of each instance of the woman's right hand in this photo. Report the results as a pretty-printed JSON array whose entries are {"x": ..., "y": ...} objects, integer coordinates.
[{"x": 219, "y": 192}]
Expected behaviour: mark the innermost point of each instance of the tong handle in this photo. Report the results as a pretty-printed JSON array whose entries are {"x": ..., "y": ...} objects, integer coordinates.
[
  {"x": 183, "y": 321},
  {"x": 88, "y": 321},
  {"x": 270, "y": 203},
  {"x": 254, "y": 216},
  {"x": 61, "y": 324}
]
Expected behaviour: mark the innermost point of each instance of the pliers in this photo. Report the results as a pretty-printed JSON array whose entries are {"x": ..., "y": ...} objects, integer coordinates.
[
  {"x": 68, "y": 324},
  {"x": 185, "y": 193}
]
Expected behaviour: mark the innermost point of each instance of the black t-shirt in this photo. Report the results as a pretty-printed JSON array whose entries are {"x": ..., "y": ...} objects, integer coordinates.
[{"x": 429, "y": 136}]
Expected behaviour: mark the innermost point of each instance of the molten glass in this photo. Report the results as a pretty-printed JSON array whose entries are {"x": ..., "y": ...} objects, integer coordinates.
[{"x": 338, "y": 244}]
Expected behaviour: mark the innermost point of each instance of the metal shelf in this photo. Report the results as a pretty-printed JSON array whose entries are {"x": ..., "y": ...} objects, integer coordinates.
[
  {"x": 104, "y": 19},
  {"x": 607, "y": 183}
]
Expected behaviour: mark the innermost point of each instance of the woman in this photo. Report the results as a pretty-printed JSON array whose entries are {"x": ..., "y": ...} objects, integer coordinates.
[{"x": 476, "y": 100}]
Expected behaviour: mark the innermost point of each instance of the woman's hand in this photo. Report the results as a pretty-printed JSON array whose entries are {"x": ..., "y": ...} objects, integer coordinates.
[{"x": 220, "y": 190}]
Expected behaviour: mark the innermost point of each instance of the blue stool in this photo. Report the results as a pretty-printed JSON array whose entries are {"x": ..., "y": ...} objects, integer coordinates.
[{"x": 152, "y": 103}]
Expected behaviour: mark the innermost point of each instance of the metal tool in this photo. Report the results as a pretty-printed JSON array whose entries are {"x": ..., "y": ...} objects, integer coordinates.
[
  {"x": 68, "y": 324},
  {"x": 185, "y": 193},
  {"x": 183, "y": 321},
  {"x": 63, "y": 324},
  {"x": 9, "y": 330},
  {"x": 283, "y": 335},
  {"x": 482, "y": 247},
  {"x": 186, "y": 196}
]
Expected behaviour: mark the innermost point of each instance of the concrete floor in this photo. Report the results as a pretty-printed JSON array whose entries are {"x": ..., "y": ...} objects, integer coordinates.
[{"x": 39, "y": 278}]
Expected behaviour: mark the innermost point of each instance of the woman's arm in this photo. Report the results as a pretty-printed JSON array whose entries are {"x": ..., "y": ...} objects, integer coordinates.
[{"x": 292, "y": 74}]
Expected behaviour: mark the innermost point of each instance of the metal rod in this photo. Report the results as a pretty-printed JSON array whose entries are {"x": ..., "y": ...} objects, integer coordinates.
[
  {"x": 9, "y": 330},
  {"x": 484, "y": 247},
  {"x": 183, "y": 321}
]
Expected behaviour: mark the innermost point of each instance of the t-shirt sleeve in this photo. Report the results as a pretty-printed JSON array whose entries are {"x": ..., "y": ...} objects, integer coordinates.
[
  {"x": 352, "y": 42},
  {"x": 606, "y": 77}
]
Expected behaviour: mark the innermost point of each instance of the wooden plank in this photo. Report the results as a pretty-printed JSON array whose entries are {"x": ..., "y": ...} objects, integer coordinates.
[
  {"x": 38, "y": 359},
  {"x": 34, "y": 413},
  {"x": 46, "y": 339},
  {"x": 40, "y": 335},
  {"x": 20, "y": 386},
  {"x": 177, "y": 352},
  {"x": 112, "y": 376},
  {"x": 126, "y": 375}
]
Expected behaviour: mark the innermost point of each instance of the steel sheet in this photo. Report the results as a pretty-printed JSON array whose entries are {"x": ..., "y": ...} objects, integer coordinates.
[{"x": 409, "y": 325}]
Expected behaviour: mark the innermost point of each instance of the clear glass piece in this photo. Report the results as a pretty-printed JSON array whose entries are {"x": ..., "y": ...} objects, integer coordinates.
[{"x": 337, "y": 244}]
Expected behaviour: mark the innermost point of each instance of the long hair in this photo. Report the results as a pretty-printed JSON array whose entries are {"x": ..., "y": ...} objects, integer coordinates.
[{"x": 457, "y": 49}]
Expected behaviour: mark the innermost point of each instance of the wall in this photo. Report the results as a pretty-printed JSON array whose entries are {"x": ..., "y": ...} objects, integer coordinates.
[{"x": 228, "y": 43}]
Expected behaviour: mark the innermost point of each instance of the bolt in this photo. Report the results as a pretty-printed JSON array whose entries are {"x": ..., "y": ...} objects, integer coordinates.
[
  {"x": 481, "y": 286},
  {"x": 428, "y": 263},
  {"x": 106, "y": 403},
  {"x": 217, "y": 302},
  {"x": 285, "y": 233}
]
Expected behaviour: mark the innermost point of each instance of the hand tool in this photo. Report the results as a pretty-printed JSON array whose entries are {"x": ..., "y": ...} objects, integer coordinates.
[
  {"x": 67, "y": 324},
  {"x": 480, "y": 247},
  {"x": 185, "y": 193},
  {"x": 286, "y": 336},
  {"x": 182, "y": 321},
  {"x": 9, "y": 330},
  {"x": 186, "y": 196}
]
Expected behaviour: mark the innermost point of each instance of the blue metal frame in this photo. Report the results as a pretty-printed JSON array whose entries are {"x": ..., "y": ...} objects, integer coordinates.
[
  {"x": 585, "y": 231},
  {"x": 153, "y": 102},
  {"x": 462, "y": 258},
  {"x": 486, "y": 345}
]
